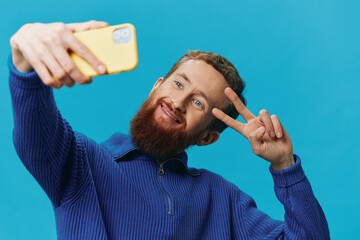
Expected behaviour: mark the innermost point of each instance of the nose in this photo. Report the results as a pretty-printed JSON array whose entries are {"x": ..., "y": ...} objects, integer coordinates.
[{"x": 179, "y": 103}]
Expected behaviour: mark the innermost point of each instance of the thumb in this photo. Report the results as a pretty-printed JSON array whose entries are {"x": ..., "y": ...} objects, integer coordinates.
[
  {"x": 78, "y": 27},
  {"x": 255, "y": 139}
]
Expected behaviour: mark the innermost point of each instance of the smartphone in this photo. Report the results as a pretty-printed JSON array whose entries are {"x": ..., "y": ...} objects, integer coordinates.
[{"x": 115, "y": 46}]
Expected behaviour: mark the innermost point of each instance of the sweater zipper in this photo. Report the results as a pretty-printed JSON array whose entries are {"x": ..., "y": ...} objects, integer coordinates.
[{"x": 162, "y": 172}]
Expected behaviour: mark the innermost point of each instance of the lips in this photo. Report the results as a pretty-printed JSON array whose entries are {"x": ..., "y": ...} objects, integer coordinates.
[{"x": 170, "y": 114}]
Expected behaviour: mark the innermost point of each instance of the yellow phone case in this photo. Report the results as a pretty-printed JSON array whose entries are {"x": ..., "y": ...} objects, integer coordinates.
[{"x": 117, "y": 57}]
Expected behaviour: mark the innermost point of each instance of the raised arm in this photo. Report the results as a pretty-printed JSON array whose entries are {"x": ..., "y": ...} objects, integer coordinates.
[
  {"x": 43, "y": 140},
  {"x": 304, "y": 218},
  {"x": 45, "y": 48}
]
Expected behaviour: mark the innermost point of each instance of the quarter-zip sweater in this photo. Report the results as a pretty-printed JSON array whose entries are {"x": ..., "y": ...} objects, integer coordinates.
[{"x": 112, "y": 190}]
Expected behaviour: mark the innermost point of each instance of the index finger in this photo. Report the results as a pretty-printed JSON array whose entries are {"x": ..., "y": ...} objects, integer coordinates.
[
  {"x": 78, "y": 27},
  {"x": 239, "y": 105},
  {"x": 236, "y": 125},
  {"x": 71, "y": 42}
]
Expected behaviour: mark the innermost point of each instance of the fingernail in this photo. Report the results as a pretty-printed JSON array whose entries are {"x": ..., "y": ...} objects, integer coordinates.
[
  {"x": 272, "y": 134},
  {"x": 101, "y": 69},
  {"x": 279, "y": 134}
]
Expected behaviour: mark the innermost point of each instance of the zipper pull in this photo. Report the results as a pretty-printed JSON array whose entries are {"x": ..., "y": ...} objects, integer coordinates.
[{"x": 161, "y": 170}]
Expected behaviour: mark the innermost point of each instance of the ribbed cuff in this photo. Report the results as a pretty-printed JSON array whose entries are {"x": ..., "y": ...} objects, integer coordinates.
[
  {"x": 23, "y": 80},
  {"x": 289, "y": 176}
]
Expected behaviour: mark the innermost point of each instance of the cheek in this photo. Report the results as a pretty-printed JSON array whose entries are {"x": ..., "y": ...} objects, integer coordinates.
[
  {"x": 195, "y": 119},
  {"x": 166, "y": 87},
  {"x": 163, "y": 93}
]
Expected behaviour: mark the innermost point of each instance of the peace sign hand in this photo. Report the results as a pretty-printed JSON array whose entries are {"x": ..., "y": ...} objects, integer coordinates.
[{"x": 268, "y": 138}]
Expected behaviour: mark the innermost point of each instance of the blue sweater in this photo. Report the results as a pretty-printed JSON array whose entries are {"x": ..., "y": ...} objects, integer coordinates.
[{"x": 112, "y": 190}]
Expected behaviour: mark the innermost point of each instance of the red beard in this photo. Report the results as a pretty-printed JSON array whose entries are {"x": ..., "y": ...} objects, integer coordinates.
[{"x": 153, "y": 138}]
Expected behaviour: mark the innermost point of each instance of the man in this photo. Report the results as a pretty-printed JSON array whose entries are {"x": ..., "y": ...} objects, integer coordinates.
[{"x": 139, "y": 186}]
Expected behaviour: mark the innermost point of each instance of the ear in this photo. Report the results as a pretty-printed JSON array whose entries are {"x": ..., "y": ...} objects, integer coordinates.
[
  {"x": 208, "y": 137},
  {"x": 156, "y": 85}
]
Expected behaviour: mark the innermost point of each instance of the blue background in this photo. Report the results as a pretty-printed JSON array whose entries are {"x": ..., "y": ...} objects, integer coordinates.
[{"x": 300, "y": 60}]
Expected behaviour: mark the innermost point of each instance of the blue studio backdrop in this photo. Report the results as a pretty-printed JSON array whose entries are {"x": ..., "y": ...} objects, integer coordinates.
[{"x": 299, "y": 59}]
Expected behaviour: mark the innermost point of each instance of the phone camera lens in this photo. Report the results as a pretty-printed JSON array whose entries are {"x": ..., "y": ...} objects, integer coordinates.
[
  {"x": 125, "y": 33},
  {"x": 117, "y": 35},
  {"x": 122, "y": 35}
]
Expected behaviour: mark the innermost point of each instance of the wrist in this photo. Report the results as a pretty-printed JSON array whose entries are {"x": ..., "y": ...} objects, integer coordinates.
[
  {"x": 287, "y": 162},
  {"x": 288, "y": 177},
  {"x": 19, "y": 62}
]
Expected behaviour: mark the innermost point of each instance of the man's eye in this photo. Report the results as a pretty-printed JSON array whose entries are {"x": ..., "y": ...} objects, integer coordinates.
[
  {"x": 178, "y": 84},
  {"x": 198, "y": 103}
]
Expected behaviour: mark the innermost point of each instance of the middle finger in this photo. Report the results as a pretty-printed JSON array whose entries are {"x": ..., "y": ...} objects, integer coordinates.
[
  {"x": 68, "y": 65},
  {"x": 265, "y": 118},
  {"x": 53, "y": 66}
]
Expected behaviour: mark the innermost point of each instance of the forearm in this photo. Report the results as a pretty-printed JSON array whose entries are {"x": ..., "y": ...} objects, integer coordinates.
[
  {"x": 42, "y": 138},
  {"x": 303, "y": 215}
]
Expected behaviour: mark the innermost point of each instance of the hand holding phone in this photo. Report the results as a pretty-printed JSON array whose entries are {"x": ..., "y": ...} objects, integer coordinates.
[
  {"x": 115, "y": 46},
  {"x": 45, "y": 48}
]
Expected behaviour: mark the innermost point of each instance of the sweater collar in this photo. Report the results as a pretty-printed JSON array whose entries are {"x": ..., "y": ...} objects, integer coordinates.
[{"x": 120, "y": 144}]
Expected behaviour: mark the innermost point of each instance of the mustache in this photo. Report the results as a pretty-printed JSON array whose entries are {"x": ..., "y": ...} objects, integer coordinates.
[
  {"x": 154, "y": 139},
  {"x": 175, "y": 112}
]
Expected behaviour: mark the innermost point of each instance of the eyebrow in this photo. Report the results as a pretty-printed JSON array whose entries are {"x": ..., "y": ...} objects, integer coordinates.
[{"x": 186, "y": 78}]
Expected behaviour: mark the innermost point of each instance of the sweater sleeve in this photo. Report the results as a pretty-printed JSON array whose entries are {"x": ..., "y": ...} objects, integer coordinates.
[
  {"x": 44, "y": 141},
  {"x": 304, "y": 218}
]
